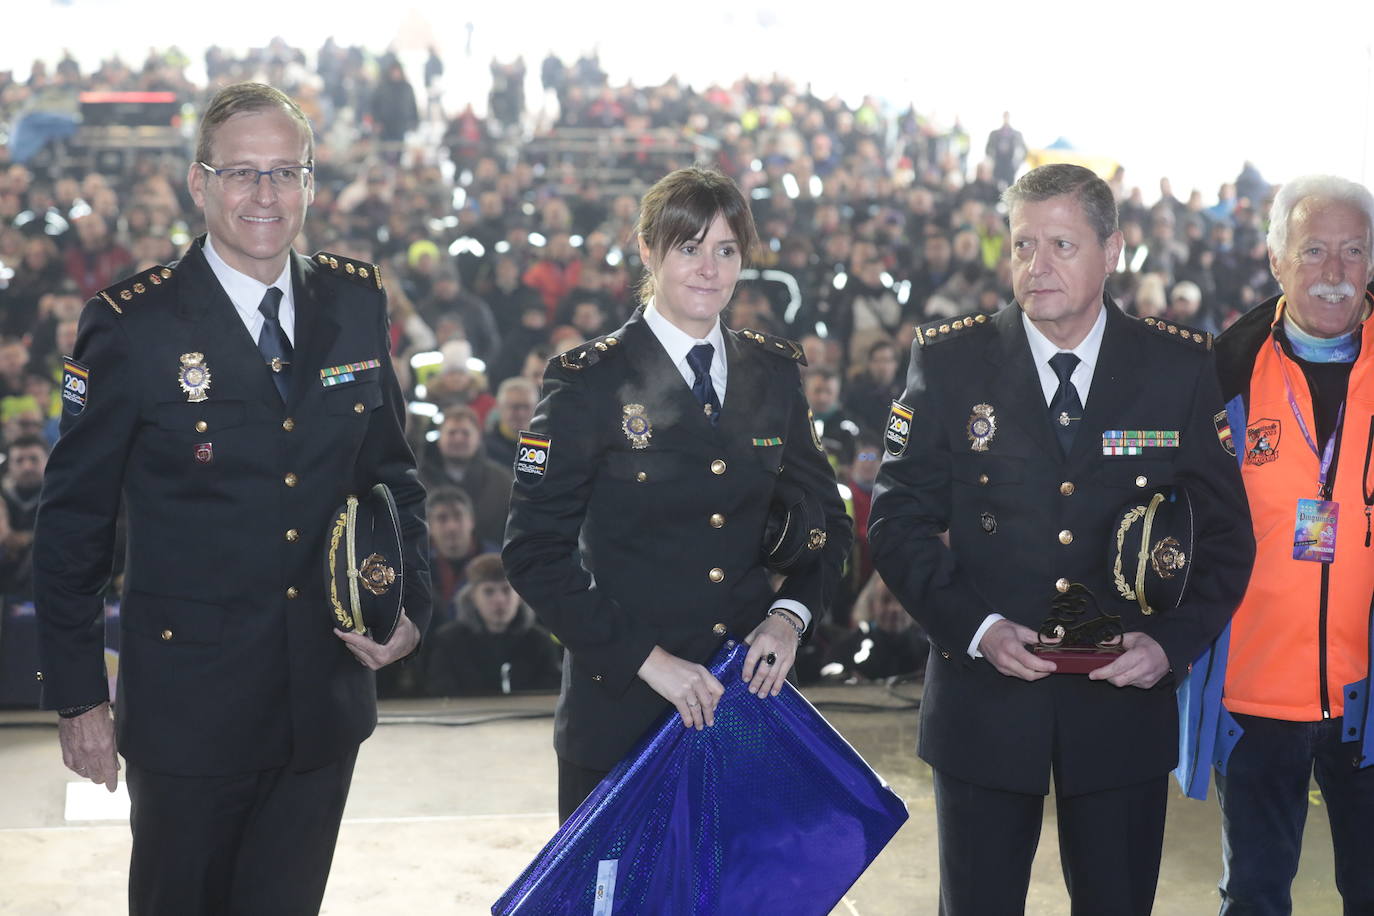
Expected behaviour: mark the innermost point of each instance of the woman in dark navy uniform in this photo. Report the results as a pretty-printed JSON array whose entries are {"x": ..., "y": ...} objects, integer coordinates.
[{"x": 643, "y": 491}]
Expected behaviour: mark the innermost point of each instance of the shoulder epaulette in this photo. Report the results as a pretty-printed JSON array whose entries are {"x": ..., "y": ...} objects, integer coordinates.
[
  {"x": 943, "y": 330},
  {"x": 778, "y": 346},
  {"x": 361, "y": 270},
  {"x": 1181, "y": 332},
  {"x": 589, "y": 353},
  {"x": 125, "y": 290}
]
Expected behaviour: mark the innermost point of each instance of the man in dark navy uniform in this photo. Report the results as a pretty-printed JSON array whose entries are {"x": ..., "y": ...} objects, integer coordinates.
[
  {"x": 233, "y": 399},
  {"x": 1018, "y": 439}
]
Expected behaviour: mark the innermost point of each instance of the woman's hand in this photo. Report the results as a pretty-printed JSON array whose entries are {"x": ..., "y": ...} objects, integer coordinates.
[
  {"x": 773, "y": 639},
  {"x": 688, "y": 686}
]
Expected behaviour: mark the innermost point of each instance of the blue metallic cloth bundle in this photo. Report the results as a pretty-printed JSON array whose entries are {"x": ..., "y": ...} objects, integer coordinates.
[{"x": 768, "y": 811}]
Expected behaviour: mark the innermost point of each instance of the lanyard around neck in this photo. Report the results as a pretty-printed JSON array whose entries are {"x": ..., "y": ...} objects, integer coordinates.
[{"x": 1325, "y": 454}]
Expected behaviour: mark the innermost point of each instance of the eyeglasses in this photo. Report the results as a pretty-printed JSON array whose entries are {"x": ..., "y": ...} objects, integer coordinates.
[{"x": 284, "y": 178}]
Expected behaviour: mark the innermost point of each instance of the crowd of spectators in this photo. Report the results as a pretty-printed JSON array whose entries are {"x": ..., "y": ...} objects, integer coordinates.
[{"x": 504, "y": 237}]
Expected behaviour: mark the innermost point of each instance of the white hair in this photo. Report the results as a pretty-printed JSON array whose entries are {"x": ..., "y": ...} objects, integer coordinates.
[{"x": 1325, "y": 187}]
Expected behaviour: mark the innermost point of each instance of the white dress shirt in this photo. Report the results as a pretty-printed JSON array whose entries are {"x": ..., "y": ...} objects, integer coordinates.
[
  {"x": 679, "y": 343},
  {"x": 246, "y": 293}
]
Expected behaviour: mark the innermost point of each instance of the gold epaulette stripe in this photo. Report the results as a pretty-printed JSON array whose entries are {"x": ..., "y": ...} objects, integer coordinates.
[
  {"x": 135, "y": 287},
  {"x": 781, "y": 346},
  {"x": 589, "y": 354},
  {"x": 360, "y": 269},
  {"x": 1181, "y": 332},
  {"x": 934, "y": 332}
]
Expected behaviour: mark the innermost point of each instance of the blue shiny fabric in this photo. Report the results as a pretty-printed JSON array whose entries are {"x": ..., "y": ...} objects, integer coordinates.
[{"x": 768, "y": 811}]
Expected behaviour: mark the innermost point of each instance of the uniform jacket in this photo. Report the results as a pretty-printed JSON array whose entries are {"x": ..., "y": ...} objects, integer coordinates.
[
  {"x": 1280, "y": 583},
  {"x": 619, "y": 548},
  {"x": 1023, "y": 519},
  {"x": 228, "y": 661}
]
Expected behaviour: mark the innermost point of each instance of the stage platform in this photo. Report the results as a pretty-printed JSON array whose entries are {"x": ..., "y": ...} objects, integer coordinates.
[{"x": 452, "y": 798}]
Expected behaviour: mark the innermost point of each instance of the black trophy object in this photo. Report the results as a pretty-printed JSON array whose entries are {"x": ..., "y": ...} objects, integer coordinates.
[{"x": 1078, "y": 636}]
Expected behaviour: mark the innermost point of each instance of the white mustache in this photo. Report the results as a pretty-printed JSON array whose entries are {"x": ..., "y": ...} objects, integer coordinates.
[{"x": 1326, "y": 290}]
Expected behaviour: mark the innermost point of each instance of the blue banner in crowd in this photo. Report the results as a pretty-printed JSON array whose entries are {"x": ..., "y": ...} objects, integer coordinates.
[{"x": 768, "y": 811}]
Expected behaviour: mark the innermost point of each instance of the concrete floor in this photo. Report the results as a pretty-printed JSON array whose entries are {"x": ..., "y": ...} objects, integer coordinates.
[{"x": 442, "y": 819}]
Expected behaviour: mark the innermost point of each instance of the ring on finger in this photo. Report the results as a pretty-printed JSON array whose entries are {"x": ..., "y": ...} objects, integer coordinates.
[
  {"x": 771, "y": 658},
  {"x": 693, "y": 704}
]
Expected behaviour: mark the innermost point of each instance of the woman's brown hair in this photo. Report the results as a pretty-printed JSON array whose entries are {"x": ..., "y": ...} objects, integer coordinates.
[{"x": 681, "y": 206}]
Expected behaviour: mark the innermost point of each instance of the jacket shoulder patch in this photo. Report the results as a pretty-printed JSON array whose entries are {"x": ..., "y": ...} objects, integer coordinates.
[
  {"x": 936, "y": 331},
  {"x": 778, "y": 346},
  {"x": 362, "y": 271},
  {"x": 1181, "y": 332},
  {"x": 127, "y": 290}
]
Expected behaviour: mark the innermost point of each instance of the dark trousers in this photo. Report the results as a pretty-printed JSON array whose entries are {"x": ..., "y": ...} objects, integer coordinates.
[
  {"x": 1263, "y": 796},
  {"x": 575, "y": 783},
  {"x": 1109, "y": 845},
  {"x": 254, "y": 844}
]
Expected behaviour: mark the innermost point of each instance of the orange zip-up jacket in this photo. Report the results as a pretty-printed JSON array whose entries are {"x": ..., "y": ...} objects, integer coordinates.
[{"x": 1302, "y": 630}]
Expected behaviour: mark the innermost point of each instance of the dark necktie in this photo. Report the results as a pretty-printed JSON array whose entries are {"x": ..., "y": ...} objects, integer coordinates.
[
  {"x": 699, "y": 358},
  {"x": 1065, "y": 408},
  {"x": 273, "y": 342}
]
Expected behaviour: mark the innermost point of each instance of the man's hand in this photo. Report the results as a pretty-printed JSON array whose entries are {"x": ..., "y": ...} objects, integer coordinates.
[
  {"x": 1141, "y": 665},
  {"x": 771, "y": 637},
  {"x": 378, "y": 655},
  {"x": 88, "y": 746},
  {"x": 688, "y": 686},
  {"x": 1004, "y": 645}
]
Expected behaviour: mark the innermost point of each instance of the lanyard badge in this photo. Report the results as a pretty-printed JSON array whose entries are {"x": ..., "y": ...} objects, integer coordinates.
[{"x": 1314, "y": 527}]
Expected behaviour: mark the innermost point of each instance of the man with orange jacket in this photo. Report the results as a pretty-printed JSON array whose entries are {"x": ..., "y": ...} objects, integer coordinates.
[{"x": 1284, "y": 692}]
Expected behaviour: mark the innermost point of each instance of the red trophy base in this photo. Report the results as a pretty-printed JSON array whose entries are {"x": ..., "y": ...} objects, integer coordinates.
[{"x": 1078, "y": 660}]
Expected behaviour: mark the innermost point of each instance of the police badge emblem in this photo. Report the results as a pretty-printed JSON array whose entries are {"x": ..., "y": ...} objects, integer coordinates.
[
  {"x": 194, "y": 377},
  {"x": 982, "y": 426},
  {"x": 636, "y": 425}
]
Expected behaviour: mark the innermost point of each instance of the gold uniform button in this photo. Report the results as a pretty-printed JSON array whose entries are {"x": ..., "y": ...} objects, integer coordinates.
[
  {"x": 292, "y": 535},
  {"x": 290, "y": 480},
  {"x": 292, "y": 592},
  {"x": 1141, "y": 481},
  {"x": 983, "y": 479},
  {"x": 358, "y": 407},
  {"x": 596, "y": 677},
  {"x": 717, "y": 520},
  {"x": 944, "y": 654},
  {"x": 38, "y": 675},
  {"x": 288, "y": 424},
  {"x": 718, "y": 629},
  {"x": 1061, "y": 585},
  {"x": 716, "y": 574},
  {"x": 717, "y": 467},
  {"x": 1066, "y": 536},
  {"x": 1066, "y": 488},
  {"x": 201, "y": 426},
  {"x": 166, "y": 635},
  {"x": 641, "y": 477}
]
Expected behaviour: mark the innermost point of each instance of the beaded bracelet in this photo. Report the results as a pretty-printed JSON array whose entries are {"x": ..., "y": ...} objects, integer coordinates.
[{"x": 786, "y": 617}]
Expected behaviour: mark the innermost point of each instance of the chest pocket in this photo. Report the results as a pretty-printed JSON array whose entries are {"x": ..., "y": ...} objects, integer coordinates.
[
  {"x": 988, "y": 470},
  {"x": 770, "y": 458},
  {"x": 646, "y": 466},
  {"x": 208, "y": 416},
  {"x": 361, "y": 398},
  {"x": 1137, "y": 473}
]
